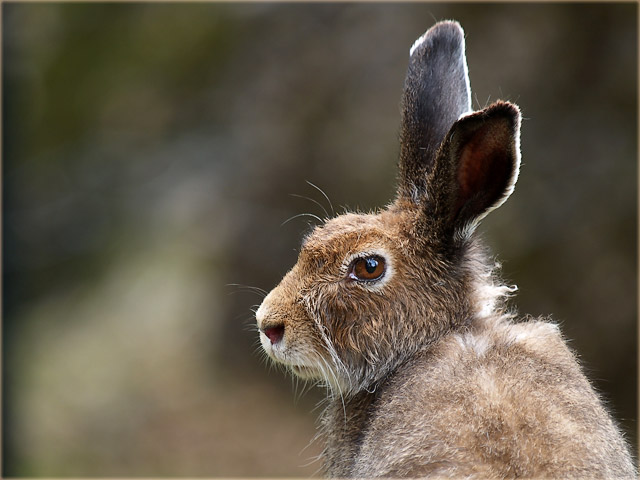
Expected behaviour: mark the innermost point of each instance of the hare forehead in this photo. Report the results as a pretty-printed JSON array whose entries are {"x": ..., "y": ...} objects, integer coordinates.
[{"x": 347, "y": 233}]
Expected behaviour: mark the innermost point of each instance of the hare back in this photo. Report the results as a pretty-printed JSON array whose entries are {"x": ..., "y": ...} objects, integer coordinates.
[{"x": 499, "y": 399}]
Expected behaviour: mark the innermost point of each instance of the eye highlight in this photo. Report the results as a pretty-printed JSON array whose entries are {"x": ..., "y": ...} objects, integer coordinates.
[{"x": 366, "y": 269}]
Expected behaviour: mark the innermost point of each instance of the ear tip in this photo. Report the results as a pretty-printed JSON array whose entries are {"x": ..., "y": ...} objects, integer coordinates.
[
  {"x": 506, "y": 109},
  {"x": 453, "y": 27},
  {"x": 444, "y": 29},
  {"x": 499, "y": 109}
]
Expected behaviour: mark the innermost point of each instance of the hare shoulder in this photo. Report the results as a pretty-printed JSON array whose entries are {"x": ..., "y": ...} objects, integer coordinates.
[{"x": 500, "y": 399}]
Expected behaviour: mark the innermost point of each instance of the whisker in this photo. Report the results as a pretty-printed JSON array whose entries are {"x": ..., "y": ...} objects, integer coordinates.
[
  {"x": 258, "y": 350},
  {"x": 307, "y": 387},
  {"x": 339, "y": 390},
  {"x": 302, "y": 215},
  {"x": 326, "y": 214},
  {"x": 324, "y": 195},
  {"x": 250, "y": 325},
  {"x": 247, "y": 288},
  {"x": 475, "y": 96},
  {"x": 313, "y": 459},
  {"x": 244, "y": 317}
]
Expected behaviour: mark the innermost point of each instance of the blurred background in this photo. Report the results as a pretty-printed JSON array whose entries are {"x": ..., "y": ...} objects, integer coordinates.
[{"x": 149, "y": 156}]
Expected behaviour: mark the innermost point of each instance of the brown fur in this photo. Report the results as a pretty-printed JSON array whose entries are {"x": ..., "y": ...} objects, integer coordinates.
[{"x": 427, "y": 373}]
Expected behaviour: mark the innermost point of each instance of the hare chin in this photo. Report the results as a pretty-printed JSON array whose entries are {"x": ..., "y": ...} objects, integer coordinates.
[
  {"x": 302, "y": 370},
  {"x": 305, "y": 372},
  {"x": 325, "y": 378}
]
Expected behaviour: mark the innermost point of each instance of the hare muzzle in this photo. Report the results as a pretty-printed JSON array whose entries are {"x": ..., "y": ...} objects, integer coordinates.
[{"x": 286, "y": 332}]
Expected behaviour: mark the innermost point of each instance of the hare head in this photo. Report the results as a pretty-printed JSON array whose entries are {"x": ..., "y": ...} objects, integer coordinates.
[{"x": 370, "y": 290}]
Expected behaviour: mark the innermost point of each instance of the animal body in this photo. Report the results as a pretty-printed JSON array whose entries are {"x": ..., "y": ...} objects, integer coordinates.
[{"x": 400, "y": 314}]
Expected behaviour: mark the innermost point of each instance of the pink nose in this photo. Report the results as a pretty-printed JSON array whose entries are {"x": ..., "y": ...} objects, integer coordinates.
[{"x": 275, "y": 333}]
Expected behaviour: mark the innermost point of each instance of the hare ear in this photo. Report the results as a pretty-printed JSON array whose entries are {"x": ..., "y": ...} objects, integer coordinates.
[
  {"x": 476, "y": 168},
  {"x": 436, "y": 93}
]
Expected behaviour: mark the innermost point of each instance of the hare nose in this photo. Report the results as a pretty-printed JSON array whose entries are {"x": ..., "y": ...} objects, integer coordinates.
[{"x": 274, "y": 333}]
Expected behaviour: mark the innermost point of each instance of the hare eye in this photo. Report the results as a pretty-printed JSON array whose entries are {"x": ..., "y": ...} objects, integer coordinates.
[{"x": 367, "y": 268}]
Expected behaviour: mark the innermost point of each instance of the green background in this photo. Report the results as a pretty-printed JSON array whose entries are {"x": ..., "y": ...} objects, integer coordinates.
[{"x": 149, "y": 154}]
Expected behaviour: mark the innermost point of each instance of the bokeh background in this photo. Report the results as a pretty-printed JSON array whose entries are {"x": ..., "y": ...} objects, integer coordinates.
[{"x": 149, "y": 154}]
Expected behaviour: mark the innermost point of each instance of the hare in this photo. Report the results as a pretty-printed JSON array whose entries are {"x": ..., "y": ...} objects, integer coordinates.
[{"x": 400, "y": 314}]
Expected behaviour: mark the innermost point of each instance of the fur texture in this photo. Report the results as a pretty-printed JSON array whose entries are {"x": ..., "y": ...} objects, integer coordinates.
[{"x": 427, "y": 374}]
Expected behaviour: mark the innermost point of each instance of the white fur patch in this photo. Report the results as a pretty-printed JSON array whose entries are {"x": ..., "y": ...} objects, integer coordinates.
[
  {"x": 487, "y": 381},
  {"x": 487, "y": 295},
  {"x": 473, "y": 343},
  {"x": 532, "y": 332},
  {"x": 521, "y": 336},
  {"x": 536, "y": 335}
]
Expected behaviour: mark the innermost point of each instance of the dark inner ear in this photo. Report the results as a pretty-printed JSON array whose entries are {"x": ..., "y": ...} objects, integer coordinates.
[
  {"x": 475, "y": 170},
  {"x": 485, "y": 169}
]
